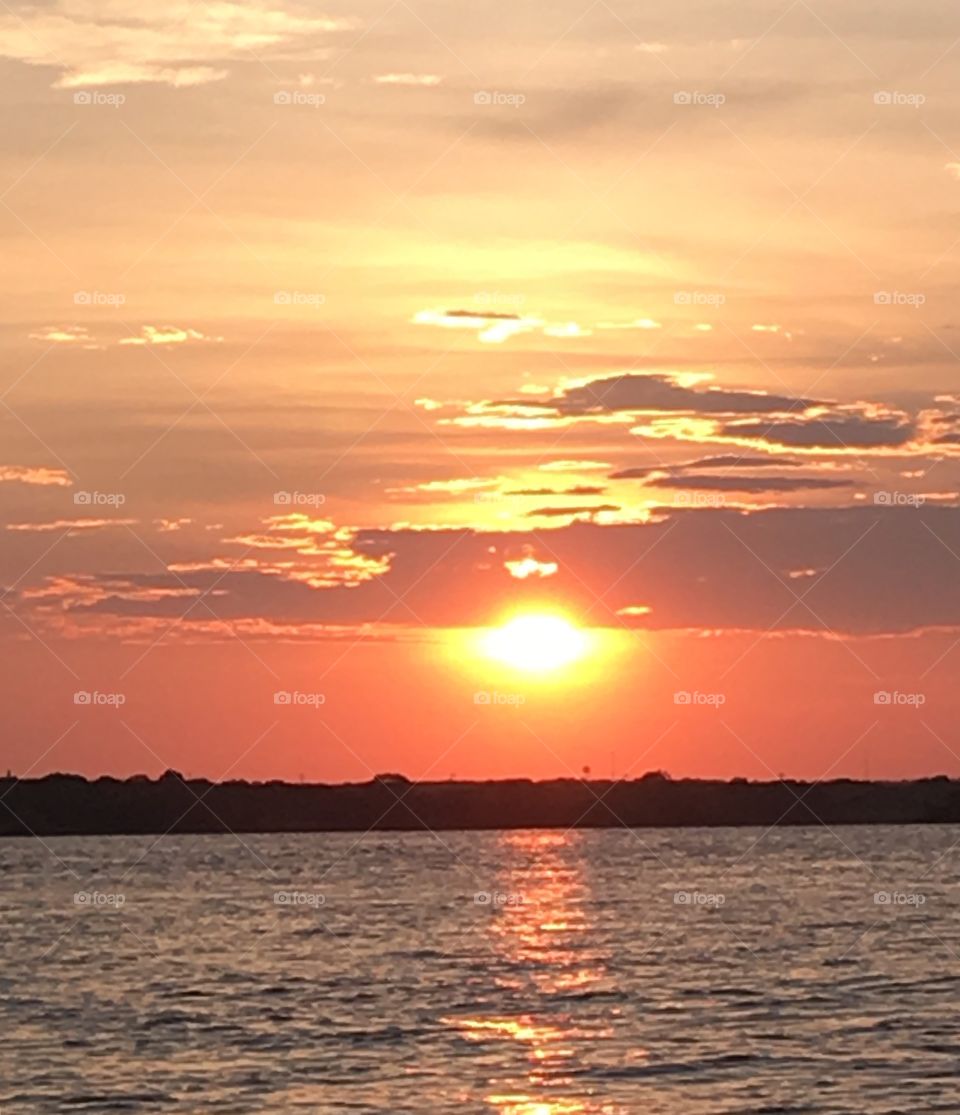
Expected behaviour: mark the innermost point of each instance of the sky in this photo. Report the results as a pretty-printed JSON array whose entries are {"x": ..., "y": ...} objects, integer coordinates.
[{"x": 333, "y": 338}]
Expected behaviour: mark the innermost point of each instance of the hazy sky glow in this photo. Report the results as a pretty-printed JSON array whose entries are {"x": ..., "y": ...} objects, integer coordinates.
[{"x": 332, "y": 336}]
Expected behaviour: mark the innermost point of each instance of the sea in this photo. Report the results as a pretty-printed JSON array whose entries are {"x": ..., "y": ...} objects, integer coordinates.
[{"x": 590, "y": 972}]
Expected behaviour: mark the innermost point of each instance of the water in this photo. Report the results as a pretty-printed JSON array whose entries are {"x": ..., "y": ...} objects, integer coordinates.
[{"x": 685, "y": 972}]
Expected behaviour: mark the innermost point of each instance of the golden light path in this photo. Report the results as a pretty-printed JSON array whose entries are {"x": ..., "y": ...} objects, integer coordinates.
[
  {"x": 540, "y": 951},
  {"x": 536, "y": 643}
]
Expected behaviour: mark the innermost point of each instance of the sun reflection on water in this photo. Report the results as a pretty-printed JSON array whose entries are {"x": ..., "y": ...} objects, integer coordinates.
[{"x": 544, "y": 950}]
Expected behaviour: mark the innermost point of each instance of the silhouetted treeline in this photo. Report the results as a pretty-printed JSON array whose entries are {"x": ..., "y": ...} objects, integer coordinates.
[{"x": 62, "y": 804}]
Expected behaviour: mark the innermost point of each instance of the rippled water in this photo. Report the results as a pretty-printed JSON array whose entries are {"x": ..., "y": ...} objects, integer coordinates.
[{"x": 519, "y": 973}]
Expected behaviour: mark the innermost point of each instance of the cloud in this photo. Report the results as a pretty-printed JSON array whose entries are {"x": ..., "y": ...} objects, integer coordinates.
[
  {"x": 69, "y": 525},
  {"x": 683, "y": 408},
  {"x": 877, "y": 570},
  {"x": 490, "y": 328},
  {"x": 732, "y": 460},
  {"x": 646, "y": 392},
  {"x": 35, "y": 475},
  {"x": 560, "y": 512},
  {"x": 408, "y": 79},
  {"x": 106, "y": 42},
  {"x": 576, "y": 490},
  {"x": 494, "y": 328},
  {"x": 567, "y": 329},
  {"x": 529, "y": 566},
  {"x": 729, "y": 460},
  {"x": 573, "y": 466},
  {"x": 752, "y": 484},
  {"x": 845, "y": 427},
  {"x": 167, "y": 335},
  {"x": 65, "y": 335},
  {"x": 637, "y": 323}
]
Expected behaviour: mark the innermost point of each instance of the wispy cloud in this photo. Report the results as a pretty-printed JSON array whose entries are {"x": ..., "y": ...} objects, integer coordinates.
[{"x": 108, "y": 42}]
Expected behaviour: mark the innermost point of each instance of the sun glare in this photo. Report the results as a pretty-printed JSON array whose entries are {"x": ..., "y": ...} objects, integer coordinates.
[{"x": 536, "y": 643}]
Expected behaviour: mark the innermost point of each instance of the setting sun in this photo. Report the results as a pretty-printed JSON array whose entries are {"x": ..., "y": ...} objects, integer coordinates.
[{"x": 536, "y": 643}]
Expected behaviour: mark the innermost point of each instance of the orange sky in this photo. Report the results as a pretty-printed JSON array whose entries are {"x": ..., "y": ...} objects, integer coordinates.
[{"x": 340, "y": 336}]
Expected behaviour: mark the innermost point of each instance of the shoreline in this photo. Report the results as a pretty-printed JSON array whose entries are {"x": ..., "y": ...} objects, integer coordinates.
[{"x": 70, "y": 805}]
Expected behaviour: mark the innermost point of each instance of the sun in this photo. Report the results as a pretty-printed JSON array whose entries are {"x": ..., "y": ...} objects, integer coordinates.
[{"x": 535, "y": 643}]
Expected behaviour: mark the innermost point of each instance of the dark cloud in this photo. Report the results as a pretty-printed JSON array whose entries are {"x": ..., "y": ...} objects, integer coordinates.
[
  {"x": 731, "y": 460},
  {"x": 876, "y": 570},
  {"x": 840, "y": 430},
  {"x": 557, "y": 512},
  {"x": 782, "y": 421},
  {"x": 481, "y": 314},
  {"x": 579, "y": 490},
  {"x": 752, "y": 484},
  {"x": 728, "y": 461},
  {"x": 644, "y": 392}
]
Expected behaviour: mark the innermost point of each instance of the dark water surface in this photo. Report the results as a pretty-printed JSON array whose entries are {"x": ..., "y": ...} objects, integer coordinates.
[{"x": 669, "y": 972}]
